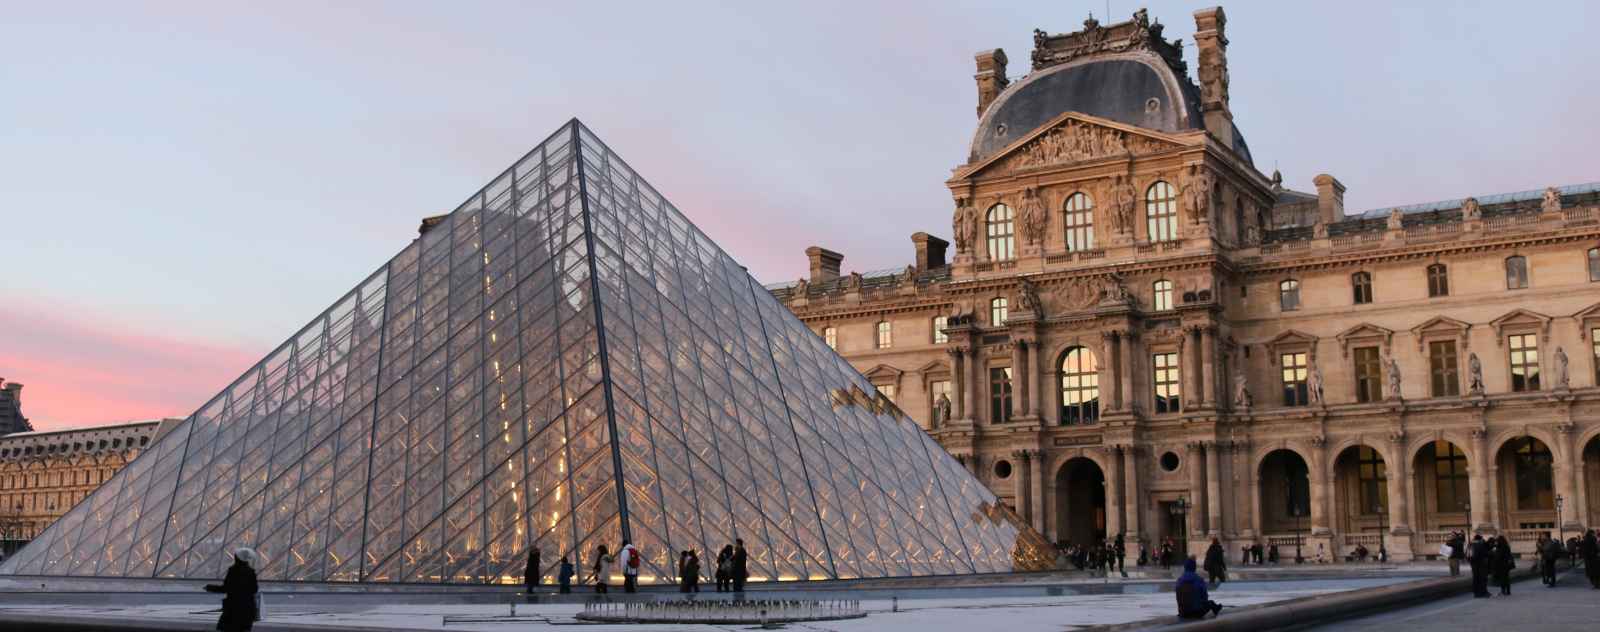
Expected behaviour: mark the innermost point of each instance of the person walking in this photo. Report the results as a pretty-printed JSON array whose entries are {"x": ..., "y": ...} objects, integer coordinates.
[
  {"x": 602, "y": 567},
  {"x": 1193, "y": 601},
  {"x": 1479, "y": 561},
  {"x": 1122, "y": 554},
  {"x": 238, "y": 590},
  {"x": 1550, "y": 552},
  {"x": 630, "y": 567},
  {"x": 725, "y": 569},
  {"x": 530, "y": 575},
  {"x": 683, "y": 577},
  {"x": 1591, "y": 558},
  {"x": 741, "y": 568},
  {"x": 564, "y": 576},
  {"x": 691, "y": 572},
  {"x": 1458, "y": 551},
  {"x": 1216, "y": 563},
  {"x": 1502, "y": 565}
]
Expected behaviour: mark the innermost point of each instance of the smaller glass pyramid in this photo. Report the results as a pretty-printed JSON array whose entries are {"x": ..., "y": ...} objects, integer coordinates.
[{"x": 563, "y": 362}]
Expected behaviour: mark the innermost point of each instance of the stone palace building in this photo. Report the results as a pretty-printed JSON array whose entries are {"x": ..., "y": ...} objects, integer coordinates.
[{"x": 1138, "y": 332}]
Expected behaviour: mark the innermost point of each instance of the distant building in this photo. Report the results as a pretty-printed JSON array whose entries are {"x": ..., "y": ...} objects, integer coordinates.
[
  {"x": 43, "y": 474},
  {"x": 11, "y": 419}
]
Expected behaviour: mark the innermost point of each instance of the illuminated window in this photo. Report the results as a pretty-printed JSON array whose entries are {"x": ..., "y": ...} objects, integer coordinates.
[
  {"x": 1374, "y": 480},
  {"x": 1442, "y": 368},
  {"x": 1524, "y": 362},
  {"x": 1295, "y": 372},
  {"x": 1162, "y": 293},
  {"x": 1078, "y": 221},
  {"x": 1165, "y": 366},
  {"x": 1438, "y": 281},
  {"x": 888, "y": 390},
  {"x": 1080, "y": 387},
  {"x": 1161, "y": 212},
  {"x": 1000, "y": 395},
  {"x": 1516, "y": 273},
  {"x": 939, "y": 323},
  {"x": 831, "y": 336},
  {"x": 885, "y": 335},
  {"x": 997, "y": 311},
  {"x": 1002, "y": 242},
  {"x": 1361, "y": 286}
]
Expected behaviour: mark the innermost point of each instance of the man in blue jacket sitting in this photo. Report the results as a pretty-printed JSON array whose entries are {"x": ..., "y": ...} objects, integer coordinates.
[{"x": 1193, "y": 602}]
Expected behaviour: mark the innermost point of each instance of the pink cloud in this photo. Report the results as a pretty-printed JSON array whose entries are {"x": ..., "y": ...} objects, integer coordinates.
[{"x": 90, "y": 370}]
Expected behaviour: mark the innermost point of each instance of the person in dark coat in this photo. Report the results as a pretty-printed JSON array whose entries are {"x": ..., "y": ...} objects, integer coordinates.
[
  {"x": 564, "y": 575},
  {"x": 238, "y": 590},
  {"x": 725, "y": 569},
  {"x": 1479, "y": 561},
  {"x": 530, "y": 575},
  {"x": 1121, "y": 546},
  {"x": 691, "y": 572},
  {"x": 741, "y": 566},
  {"x": 1550, "y": 552},
  {"x": 1193, "y": 602},
  {"x": 1502, "y": 565},
  {"x": 1591, "y": 558},
  {"x": 1216, "y": 564}
]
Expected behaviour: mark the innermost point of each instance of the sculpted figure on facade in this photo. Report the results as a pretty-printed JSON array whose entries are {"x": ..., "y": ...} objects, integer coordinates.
[
  {"x": 1396, "y": 220},
  {"x": 1028, "y": 297},
  {"x": 802, "y": 288},
  {"x": 1470, "y": 211},
  {"x": 1033, "y": 217},
  {"x": 1474, "y": 374},
  {"x": 1563, "y": 379},
  {"x": 1241, "y": 391},
  {"x": 1123, "y": 198},
  {"x": 1197, "y": 193},
  {"x": 909, "y": 275},
  {"x": 1394, "y": 377},
  {"x": 1552, "y": 200},
  {"x": 853, "y": 283},
  {"x": 1314, "y": 383},
  {"x": 965, "y": 226},
  {"x": 1076, "y": 142},
  {"x": 941, "y": 410},
  {"x": 1114, "y": 292}
]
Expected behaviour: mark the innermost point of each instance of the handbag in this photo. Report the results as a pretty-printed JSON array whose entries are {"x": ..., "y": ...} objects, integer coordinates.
[{"x": 1444, "y": 550}]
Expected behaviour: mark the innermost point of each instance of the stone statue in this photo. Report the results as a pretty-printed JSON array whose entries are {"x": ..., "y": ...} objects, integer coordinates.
[
  {"x": 1552, "y": 200},
  {"x": 1470, "y": 211},
  {"x": 1113, "y": 292},
  {"x": 1474, "y": 375},
  {"x": 1394, "y": 377},
  {"x": 1241, "y": 391},
  {"x": 1033, "y": 218},
  {"x": 965, "y": 226},
  {"x": 1396, "y": 220},
  {"x": 1198, "y": 194},
  {"x": 909, "y": 275},
  {"x": 1314, "y": 383},
  {"x": 801, "y": 288},
  {"x": 1123, "y": 197},
  {"x": 1028, "y": 297},
  {"x": 1563, "y": 380},
  {"x": 853, "y": 283},
  {"x": 941, "y": 410}
]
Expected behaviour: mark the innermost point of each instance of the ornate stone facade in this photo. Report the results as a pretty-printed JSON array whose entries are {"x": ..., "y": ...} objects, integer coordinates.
[
  {"x": 1179, "y": 346},
  {"x": 43, "y": 474}
]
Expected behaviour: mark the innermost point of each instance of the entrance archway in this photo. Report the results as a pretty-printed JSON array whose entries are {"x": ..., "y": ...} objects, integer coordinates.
[
  {"x": 1443, "y": 487},
  {"x": 1285, "y": 493},
  {"x": 1081, "y": 501},
  {"x": 1526, "y": 484},
  {"x": 1591, "y": 481},
  {"x": 1361, "y": 490}
]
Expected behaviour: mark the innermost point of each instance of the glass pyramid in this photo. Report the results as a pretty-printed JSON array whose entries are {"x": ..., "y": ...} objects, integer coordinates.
[{"x": 564, "y": 361}]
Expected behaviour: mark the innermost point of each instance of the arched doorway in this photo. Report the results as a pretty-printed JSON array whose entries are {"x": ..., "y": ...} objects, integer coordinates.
[
  {"x": 1591, "y": 481},
  {"x": 1443, "y": 487},
  {"x": 1081, "y": 501},
  {"x": 1285, "y": 493},
  {"x": 1526, "y": 484},
  {"x": 1361, "y": 494}
]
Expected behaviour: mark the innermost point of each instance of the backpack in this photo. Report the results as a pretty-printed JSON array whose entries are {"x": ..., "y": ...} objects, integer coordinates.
[{"x": 633, "y": 559}]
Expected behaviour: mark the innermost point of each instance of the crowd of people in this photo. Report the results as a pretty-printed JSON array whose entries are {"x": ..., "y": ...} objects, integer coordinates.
[{"x": 731, "y": 572}]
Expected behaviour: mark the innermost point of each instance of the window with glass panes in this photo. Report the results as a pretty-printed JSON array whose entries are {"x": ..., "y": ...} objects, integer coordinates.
[
  {"x": 1524, "y": 358},
  {"x": 885, "y": 335},
  {"x": 831, "y": 336},
  {"x": 887, "y": 390},
  {"x": 1289, "y": 295},
  {"x": 1167, "y": 392},
  {"x": 1534, "y": 480},
  {"x": 1374, "y": 480},
  {"x": 1161, "y": 212},
  {"x": 1369, "y": 374},
  {"x": 1594, "y": 348},
  {"x": 997, "y": 311},
  {"x": 937, "y": 388},
  {"x": 1438, "y": 280},
  {"x": 1450, "y": 477},
  {"x": 1002, "y": 233},
  {"x": 1080, "y": 387},
  {"x": 1078, "y": 221},
  {"x": 1516, "y": 273},
  {"x": 1444, "y": 378},
  {"x": 939, "y": 323},
  {"x": 1361, "y": 287},
  {"x": 999, "y": 395},
  {"x": 1295, "y": 372},
  {"x": 1162, "y": 293},
  {"x": 1594, "y": 264}
]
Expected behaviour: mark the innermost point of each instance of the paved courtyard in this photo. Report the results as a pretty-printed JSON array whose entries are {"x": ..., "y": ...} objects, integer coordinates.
[{"x": 1571, "y": 605}]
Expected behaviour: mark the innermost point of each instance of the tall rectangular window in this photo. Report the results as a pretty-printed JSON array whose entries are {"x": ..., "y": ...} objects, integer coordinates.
[
  {"x": 1516, "y": 273},
  {"x": 1294, "y": 379},
  {"x": 1438, "y": 280},
  {"x": 999, "y": 395},
  {"x": 831, "y": 336},
  {"x": 998, "y": 311},
  {"x": 1161, "y": 293},
  {"x": 1161, "y": 212},
  {"x": 939, "y": 323},
  {"x": 1534, "y": 478},
  {"x": 1595, "y": 351},
  {"x": 1445, "y": 381},
  {"x": 1524, "y": 362},
  {"x": 885, "y": 335},
  {"x": 1374, "y": 481},
  {"x": 1361, "y": 287},
  {"x": 888, "y": 390},
  {"x": 1594, "y": 264},
  {"x": 1369, "y": 375},
  {"x": 1165, "y": 366},
  {"x": 1078, "y": 221}
]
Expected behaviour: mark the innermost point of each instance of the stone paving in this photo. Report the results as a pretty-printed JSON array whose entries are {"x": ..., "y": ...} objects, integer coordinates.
[{"x": 1532, "y": 607}]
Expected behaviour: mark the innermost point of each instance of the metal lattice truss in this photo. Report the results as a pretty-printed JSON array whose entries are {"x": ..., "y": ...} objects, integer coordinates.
[{"x": 564, "y": 361}]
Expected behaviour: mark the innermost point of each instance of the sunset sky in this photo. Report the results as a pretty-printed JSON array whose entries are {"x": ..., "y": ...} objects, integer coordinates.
[{"x": 184, "y": 184}]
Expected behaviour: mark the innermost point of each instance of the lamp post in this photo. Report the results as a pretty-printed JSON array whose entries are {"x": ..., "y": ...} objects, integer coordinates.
[
  {"x": 1561, "y": 530},
  {"x": 1383, "y": 552},
  {"x": 1180, "y": 508}
]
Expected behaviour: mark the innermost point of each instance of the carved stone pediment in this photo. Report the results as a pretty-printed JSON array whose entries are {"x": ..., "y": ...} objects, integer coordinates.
[
  {"x": 1365, "y": 332},
  {"x": 1521, "y": 318},
  {"x": 1441, "y": 327},
  {"x": 1073, "y": 138},
  {"x": 1587, "y": 317}
]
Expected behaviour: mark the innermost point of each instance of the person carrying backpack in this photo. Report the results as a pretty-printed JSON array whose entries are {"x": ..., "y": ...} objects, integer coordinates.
[{"x": 630, "y": 567}]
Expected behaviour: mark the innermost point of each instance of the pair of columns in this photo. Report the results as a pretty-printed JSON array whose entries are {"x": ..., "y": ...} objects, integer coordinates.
[
  {"x": 1198, "y": 375},
  {"x": 1124, "y": 509},
  {"x": 969, "y": 370},
  {"x": 1028, "y": 472},
  {"x": 1204, "y": 460}
]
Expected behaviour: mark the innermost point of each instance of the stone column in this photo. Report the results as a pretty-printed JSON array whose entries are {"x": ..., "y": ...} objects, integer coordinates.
[
  {"x": 1113, "y": 484},
  {"x": 1035, "y": 370},
  {"x": 1132, "y": 503},
  {"x": 1110, "y": 374},
  {"x": 1125, "y": 369},
  {"x": 1208, "y": 361},
  {"x": 1214, "y": 488},
  {"x": 1565, "y": 485},
  {"x": 1194, "y": 460},
  {"x": 1040, "y": 516},
  {"x": 1478, "y": 482},
  {"x": 1245, "y": 499},
  {"x": 974, "y": 369},
  {"x": 1019, "y": 366},
  {"x": 1020, "y": 473},
  {"x": 958, "y": 383},
  {"x": 1400, "y": 486},
  {"x": 1320, "y": 486}
]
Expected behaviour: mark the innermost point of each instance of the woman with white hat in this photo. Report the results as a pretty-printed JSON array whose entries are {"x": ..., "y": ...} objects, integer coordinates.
[{"x": 238, "y": 590}]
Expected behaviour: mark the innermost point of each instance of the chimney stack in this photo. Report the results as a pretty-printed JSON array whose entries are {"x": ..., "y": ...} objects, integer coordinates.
[
  {"x": 930, "y": 251},
  {"x": 1330, "y": 199},
  {"x": 824, "y": 263},
  {"x": 991, "y": 77},
  {"x": 1211, "y": 48}
]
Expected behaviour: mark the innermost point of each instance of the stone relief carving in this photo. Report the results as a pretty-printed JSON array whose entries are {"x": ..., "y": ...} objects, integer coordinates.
[
  {"x": 1123, "y": 198},
  {"x": 1474, "y": 375},
  {"x": 1032, "y": 217},
  {"x": 1113, "y": 291},
  {"x": 1552, "y": 200},
  {"x": 1394, "y": 377},
  {"x": 1563, "y": 379},
  {"x": 1470, "y": 212},
  {"x": 1075, "y": 141},
  {"x": 965, "y": 226},
  {"x": 1028, "y": 297},
  {"x": 1138, "y": 33},
  {"x": 1197, "y": 192}
]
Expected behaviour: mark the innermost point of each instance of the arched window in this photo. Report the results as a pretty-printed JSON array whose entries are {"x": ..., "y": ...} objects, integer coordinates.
[
  {"x": 1161, "y": 212},
  {"x": 885, "y": 334},
  {"x": 1289, "y": 295},
  {"x": 1516, "y": 272},
  {"x": 939, "y": 323},
  {"x": 1078, "y": 220},
  {"x": 1438, "y": 281},
  {"x": 1162, "y": 295},
  {"x": 831, "y": 336},
  {"x": 1361, "y": 286},
  {"x": 997, "y": 311},
  {"x": 1080, "y": 387},
  {"x": 1002, "y": 243}
]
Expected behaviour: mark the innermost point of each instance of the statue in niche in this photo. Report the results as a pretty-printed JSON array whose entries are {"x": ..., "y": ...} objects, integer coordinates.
[
  {"x": 1474, "y": 375},
  {"x": 965, "y": 226},
  {"x": 1393, "y": 366},
  {"x": 1028, "y": 297},
  {"x": 1563, "y": 380},
  {"x": 1470, "y": 212},
  {"x": 941, "y": 410},
  {"x": 1552, "y": 200},
  {"x": 1197, "y": 192},
  {"x": 1314, "y": 383},
  {"x": 1033, "y": 217},
  {"x": 1123, "y": 197},
  {"x": 1241, "y": 391}
]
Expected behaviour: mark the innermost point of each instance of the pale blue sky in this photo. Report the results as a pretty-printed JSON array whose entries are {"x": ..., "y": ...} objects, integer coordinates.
[{"x": 184, "y": 184}]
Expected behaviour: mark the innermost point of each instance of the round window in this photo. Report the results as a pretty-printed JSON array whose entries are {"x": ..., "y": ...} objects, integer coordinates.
[
  {"x": 1002, "y": 469},
  {"x": 1169, "y": 462}
]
